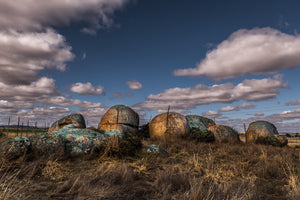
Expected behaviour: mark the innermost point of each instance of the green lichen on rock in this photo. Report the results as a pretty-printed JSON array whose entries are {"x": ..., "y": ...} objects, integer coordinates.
[
  {"x": 199, "y": 122},
  {"x": 260, "y": 129},
  {"x": 72, "y": 140}
]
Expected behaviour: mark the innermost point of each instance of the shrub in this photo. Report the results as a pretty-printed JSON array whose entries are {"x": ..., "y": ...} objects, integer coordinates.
[
  {"x": 202, "y": 135},
  {"x": 127, "y": 146},
  {"x": 144, "y": 131},
  {"x": 271, "y": 140}
]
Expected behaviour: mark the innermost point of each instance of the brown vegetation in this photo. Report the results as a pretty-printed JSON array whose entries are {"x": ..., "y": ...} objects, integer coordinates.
[{"x": 191, "y": 170}]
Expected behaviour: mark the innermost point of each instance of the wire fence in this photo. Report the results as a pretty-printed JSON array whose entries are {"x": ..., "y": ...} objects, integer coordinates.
[{"x": 19, "y": 127}]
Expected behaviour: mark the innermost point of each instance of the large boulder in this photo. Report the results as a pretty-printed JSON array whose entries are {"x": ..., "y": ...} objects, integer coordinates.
[
  {"x": 224, "y": 134},
  {"x": 121, "y": 118},
  {"x": 199, "y": 122},
  {"x": 71, "y": 138},
  {"x": 260, "y": 129},
  {"x": 170, "y": 123},
  {"x": 75, "y": 118}
]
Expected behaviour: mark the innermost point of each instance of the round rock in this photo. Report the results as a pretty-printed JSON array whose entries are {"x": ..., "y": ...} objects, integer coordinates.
[
  {"x": 260, "y": 129},
  {"x": 75, "y": 118},
  {"x": 199, "y": 122},
  {"x": 168, "y": 123},
  {"x": 224, "y": 134},
  {"x": 121, "y": 118}
]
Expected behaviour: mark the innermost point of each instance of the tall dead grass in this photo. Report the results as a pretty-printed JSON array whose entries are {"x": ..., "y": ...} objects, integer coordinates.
[{"x": 191, "y": 170}]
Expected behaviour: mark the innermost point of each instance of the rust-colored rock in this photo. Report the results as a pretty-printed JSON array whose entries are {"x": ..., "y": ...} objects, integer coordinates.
[
  {"x": 224, "y": 134},
  {"x": 75, "y": 118},
  {"x": 168, "y": 123},
  {"x": 120, "y": 117},
  {"x": 260, "y": 129}
]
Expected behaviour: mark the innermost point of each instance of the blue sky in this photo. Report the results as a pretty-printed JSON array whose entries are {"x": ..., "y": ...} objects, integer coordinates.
[{"x": 234, "y": 61}]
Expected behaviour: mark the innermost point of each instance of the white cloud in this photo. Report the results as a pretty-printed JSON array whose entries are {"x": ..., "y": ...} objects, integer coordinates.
[
  {"x": 83, "y": 56},
  {"x": 43, "y": 113},
  {"x": 246, "y": 106},
  {"x": 134, "y": 85},
  {"x": 12, "y": 107},
  {"x": 229, "y": 108},
  {"x": 119, "y": 95},
  {"x": 256, "y": 51},
  {"x": 87, "y": 88},
  {"x": 292, "y": 103},
  {"x": 183, "y": 99},
  {"x": 259, "y": 114},
  {"x": 35, "y": 15},
  {"x": 43, "y": 87},
  {"x": 62, "y": 101},
  {"x": 93, "y": 115},
  {"x": 24, "y": 55},
  {"x": 29, "y": 45},
  {"x": 212, "y": 114},
  {"x": 290, "y": 115}
]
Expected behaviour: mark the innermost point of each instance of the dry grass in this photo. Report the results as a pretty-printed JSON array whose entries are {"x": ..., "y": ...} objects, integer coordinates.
[{"x": 190, "y": 171}]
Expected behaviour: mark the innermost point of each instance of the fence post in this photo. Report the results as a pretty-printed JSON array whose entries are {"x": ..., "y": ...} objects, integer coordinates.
[
  {"x": 27, "y": 128},
  {"x": 8, "y": 125},
  {"x": 18, "y": 126},
  {"x": 22, "y": 130}
]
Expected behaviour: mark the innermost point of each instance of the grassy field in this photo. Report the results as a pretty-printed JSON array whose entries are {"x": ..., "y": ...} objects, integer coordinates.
[{"x": 190, "y": 171}]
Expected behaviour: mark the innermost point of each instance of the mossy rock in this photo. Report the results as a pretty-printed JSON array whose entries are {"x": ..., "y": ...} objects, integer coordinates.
[
  {"x": 196, "y": 121},
  {"x": 224, "y": 134},
  {"x": 260, "y": 129}
]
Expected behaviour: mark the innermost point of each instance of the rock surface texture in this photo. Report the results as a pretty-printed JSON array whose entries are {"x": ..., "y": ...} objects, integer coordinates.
[
  {"x": 75, "y": 118},
  {"x": 224, "y": 134},
  {"x": 196, "y": 121},
  {"x": 260, "y": 129},
  {"x": 121, "y": 118},
  {"x": 168, "y": 124}
]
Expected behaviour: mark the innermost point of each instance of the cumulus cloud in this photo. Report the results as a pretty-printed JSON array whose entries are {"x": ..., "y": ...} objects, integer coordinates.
[
  {"x": 45, "y": 114},
  {"x": 24, "y": 55},
  {"x": 188, "y": 98},
  {"x": 255, "y": 51},
  {"x": 134, "y": 85},
  {"x": 292, "y": 103},
  {"x": 212, "y": 114},
  {"x": 93, "y": 115},
  {"x": 119, "y": 95},
  {"x": 259, "y": 114},
  {"x": 246, "y": 106},
  {"x": 62, "y": 101},
  {"x": 12, "y": 107},
  {"x": 87, "y": 88},
  {"x": 43, "y": 87},
  {"x": 290, "y": 115},
  {"x": 35, "y": 15},
  {"x": 229, "y": 108}
]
